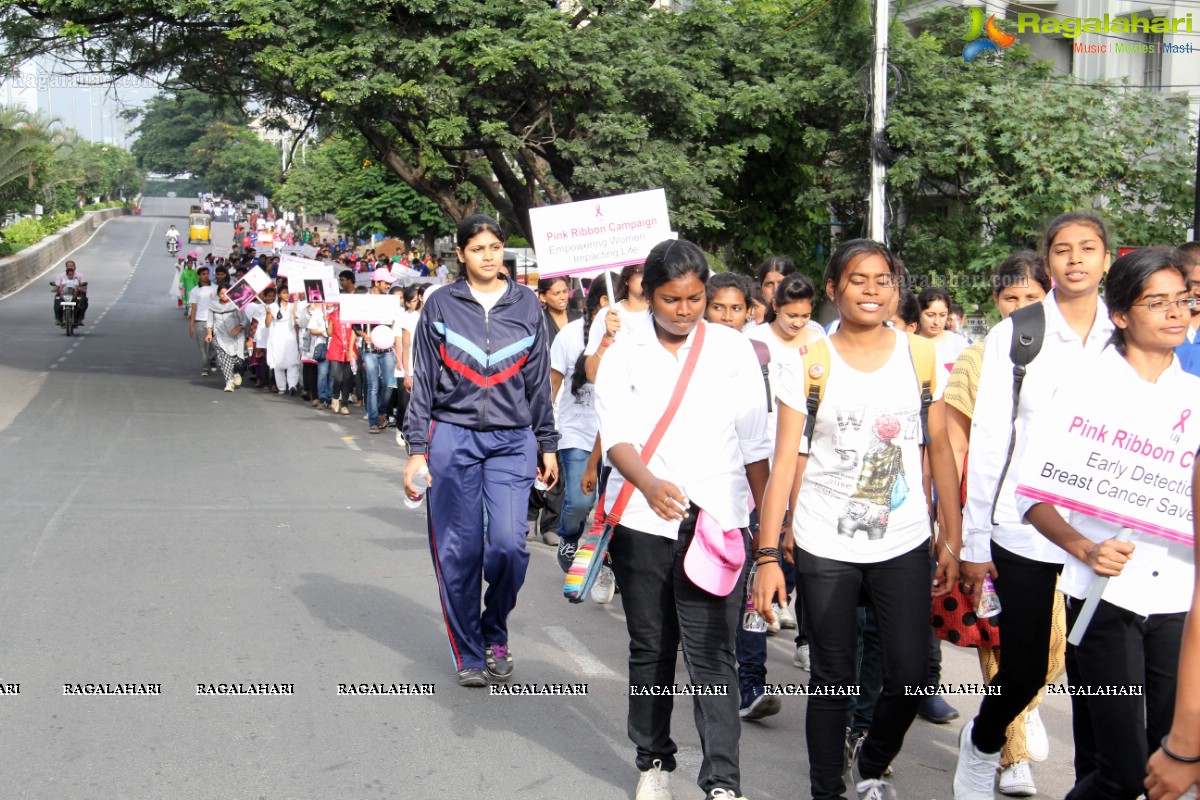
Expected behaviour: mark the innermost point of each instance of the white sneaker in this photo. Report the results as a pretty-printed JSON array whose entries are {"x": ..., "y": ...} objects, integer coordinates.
[
  {"x": 721, "y": 793},
  {"x": 1037, "y": 744},
  {"x": 787, "y": 620},
  {"x": 874, "y": 789},
  {"x": 802, "y": 658},
  {"x": 976, "y": 772},
  {"x": 654, "y": 784},
  {"x": 237, "y": 379},
  {"x": 400, "y": 439},
  {"x": 1016, "y": 780},
  {"x": 335, "y": 405},
  {"x": 229, "y": 386},
  {"x": 605, "y": 587}
]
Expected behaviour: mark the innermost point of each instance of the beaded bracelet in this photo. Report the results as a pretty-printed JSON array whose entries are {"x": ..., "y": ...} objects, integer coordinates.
[{"x": 1174, "y": 757}]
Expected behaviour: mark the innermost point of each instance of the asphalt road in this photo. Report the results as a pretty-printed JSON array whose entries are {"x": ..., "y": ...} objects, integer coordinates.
[{"x": 155, "y": 530}]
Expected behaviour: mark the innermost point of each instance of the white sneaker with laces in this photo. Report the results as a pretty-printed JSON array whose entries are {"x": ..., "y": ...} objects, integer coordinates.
[
  {"x": 803, "y": 658},
  {"x": 1016, "y": 780},
  {"x": 605, "y": 587},
  {"x": 872, "y": 788},
  {"x": 1037, "y": 744},
  {"x": 654, "y": 784},
  {"x": 787, "y": 620},
  {"x": 976, "y": 772},
  {"x": 721, "y": 793}
]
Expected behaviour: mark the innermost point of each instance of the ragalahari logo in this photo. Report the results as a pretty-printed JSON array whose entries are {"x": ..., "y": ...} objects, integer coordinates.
[{"x": 985, "y": 38}]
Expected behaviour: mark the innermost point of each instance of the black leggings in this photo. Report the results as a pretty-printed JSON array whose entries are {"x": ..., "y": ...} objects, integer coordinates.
[
  {"x": 343, "y": 381},
  {"x": 1025, "y": 588}
]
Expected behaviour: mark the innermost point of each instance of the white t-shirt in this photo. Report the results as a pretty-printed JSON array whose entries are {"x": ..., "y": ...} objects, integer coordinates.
[
  {"x": 867, "y": 443},
  {"x": 488, "y": 299},
  {"x": 201, "y": 298},
  {"x": 406, "y": 321},
  {"x": 631, "y": 322},
  {"x": 781, "y": 355},
  {"x": 577, "y": 423}
]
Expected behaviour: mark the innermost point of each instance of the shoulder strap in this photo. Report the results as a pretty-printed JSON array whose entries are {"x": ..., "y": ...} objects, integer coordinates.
[
  {"x": 685, "y": 377},
  {"x": 764, "y": 360},
  {"x": 1028, "y": 333},
  {"x": 815, "y": 358},
  {"x": 924, "y": 358}
]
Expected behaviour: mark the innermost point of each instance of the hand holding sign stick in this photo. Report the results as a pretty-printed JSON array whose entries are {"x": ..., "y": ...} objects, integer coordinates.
[{"x": 1095, "y": 593}]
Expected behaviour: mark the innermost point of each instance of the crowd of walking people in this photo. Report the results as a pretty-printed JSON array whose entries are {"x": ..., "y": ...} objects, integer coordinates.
[{"x": 864, "y": 474}]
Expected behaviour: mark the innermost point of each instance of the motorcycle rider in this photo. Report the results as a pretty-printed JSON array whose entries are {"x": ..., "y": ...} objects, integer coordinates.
[
  {"x": 73, "y": 278},
  {"x": 172, "y": 239}
]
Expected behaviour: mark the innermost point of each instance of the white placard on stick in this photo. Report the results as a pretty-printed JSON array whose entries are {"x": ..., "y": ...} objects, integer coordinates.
[
  {"x": 604, "y": 233},
  {"x": 245, "y": 289},
  {"x": 370, "y": 308}
]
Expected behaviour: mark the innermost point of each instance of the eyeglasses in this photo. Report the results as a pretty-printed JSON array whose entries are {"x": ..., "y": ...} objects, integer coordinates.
[{"x": 1161, "y": 306}]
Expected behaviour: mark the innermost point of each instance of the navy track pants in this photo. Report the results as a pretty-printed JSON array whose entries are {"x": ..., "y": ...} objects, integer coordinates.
[{"x": 474, "y": 471}]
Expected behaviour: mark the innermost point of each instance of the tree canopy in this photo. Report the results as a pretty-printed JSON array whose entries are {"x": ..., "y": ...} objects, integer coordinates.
[
  {"x": 752, "y": 115},
  {"x": 339, "y": 176}
]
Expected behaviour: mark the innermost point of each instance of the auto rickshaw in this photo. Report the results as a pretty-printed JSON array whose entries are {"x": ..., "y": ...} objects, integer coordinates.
[{"x": 199, "y": 227}]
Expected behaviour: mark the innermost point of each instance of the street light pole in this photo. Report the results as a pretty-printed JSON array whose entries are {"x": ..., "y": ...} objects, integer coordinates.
[{"x": 876, "y": 227}]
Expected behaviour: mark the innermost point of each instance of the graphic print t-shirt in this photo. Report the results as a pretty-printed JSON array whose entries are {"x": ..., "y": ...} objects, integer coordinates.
[{"x": 862, "y": 499}]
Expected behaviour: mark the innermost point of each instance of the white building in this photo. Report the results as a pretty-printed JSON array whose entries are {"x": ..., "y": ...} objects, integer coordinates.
[{"x": 1150, "y": 46}]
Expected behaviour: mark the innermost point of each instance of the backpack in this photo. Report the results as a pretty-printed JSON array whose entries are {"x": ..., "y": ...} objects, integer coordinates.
[
  {"x": 816, "y": 361},
  {"x": 1029, "y": 332}
]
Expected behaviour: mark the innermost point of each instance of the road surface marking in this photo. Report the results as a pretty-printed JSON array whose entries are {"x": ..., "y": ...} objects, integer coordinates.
[{"x": 588, "y": 663}]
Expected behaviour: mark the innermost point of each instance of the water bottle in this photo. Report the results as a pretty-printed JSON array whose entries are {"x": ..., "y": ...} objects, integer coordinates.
[
  {"x": 420, "y": 482},
  {"x": 989, "y": 601},
  {"x": 752, "y": 621}
]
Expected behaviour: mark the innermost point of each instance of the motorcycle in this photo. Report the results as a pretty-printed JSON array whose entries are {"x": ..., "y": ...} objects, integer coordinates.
[
  {"x": 172, "y": 245},
  {"x": 70, "y": 303}
]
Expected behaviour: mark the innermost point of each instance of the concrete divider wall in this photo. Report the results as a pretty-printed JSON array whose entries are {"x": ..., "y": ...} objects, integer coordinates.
[{"x": 17, "y": 270}]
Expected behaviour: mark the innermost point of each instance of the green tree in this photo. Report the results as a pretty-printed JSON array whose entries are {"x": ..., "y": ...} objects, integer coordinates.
[
  {"x": 170, "y": 123},
  {"x": 234, "y": 161},
  {"x": 339, "y": 176}
]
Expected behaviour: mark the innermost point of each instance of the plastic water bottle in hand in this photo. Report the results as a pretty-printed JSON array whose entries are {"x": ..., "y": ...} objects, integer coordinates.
[{"x": 420, "y": 482}]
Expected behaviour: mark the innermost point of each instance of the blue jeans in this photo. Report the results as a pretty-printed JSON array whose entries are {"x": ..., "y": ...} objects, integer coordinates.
[
  {"x": 379, "y": 369},
  {"x": 573, "y": 518},
  {"x": 324, "y": 381}
]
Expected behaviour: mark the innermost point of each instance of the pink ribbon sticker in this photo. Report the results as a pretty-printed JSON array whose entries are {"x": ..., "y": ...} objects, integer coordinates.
[{"x": 1187, "y": 412}]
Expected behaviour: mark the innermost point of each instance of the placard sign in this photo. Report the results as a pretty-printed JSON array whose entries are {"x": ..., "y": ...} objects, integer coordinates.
[
  {"x": 1122, "y": 454},
  {"x": 287, "y": 261},
  {"x": 315, "y": 281},
  {"x": 246, "y": 288},
  {"x": 605, "y": 233},
  {"x": 377, "y": 309}
]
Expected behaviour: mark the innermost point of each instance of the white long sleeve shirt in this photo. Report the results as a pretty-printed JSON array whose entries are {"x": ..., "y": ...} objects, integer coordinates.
[
  {"x": 719, "y": 428},
  {"x": 1062, "y": 350}
]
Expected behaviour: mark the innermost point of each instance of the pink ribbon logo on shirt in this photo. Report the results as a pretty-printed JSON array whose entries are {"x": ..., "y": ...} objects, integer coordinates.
[{"x": 1179, "y": 426}]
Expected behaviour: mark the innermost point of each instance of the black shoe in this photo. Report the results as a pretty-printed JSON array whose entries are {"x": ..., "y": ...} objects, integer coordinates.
[
  {"x": 936, "y": 710},
  {"x": 79, "y": 323},
  {"x": 499, "y": 662},
  {"x": 473, "y": 678},
  {"x": 566, "y": 552}
]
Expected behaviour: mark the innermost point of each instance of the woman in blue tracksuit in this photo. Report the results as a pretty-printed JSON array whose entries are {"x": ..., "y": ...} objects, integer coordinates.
[{"x": 479, "y": 415}]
